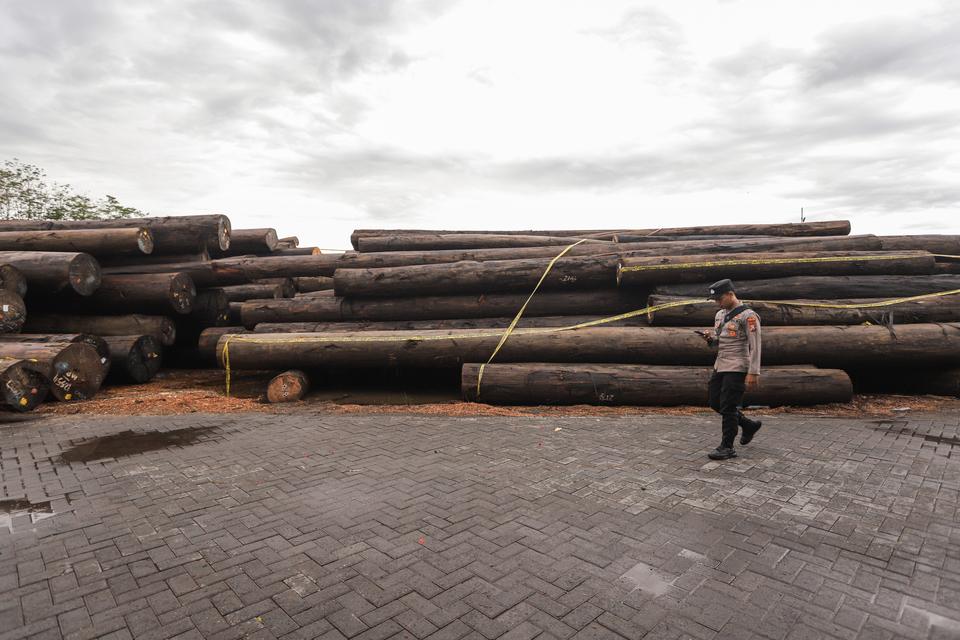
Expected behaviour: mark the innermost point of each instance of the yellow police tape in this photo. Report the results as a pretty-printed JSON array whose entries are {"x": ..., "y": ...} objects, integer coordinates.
[{"x": 758, "y": 261}]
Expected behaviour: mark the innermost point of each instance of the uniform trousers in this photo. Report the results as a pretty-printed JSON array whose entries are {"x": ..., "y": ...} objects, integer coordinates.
[{"x": 726, "y": 396}]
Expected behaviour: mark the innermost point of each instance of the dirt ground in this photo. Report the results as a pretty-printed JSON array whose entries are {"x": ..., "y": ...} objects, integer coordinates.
[{"x": 176, "y": 392}]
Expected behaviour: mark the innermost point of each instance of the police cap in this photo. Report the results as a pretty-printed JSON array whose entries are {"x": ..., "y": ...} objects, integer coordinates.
[{"x": 717, "y": 289}]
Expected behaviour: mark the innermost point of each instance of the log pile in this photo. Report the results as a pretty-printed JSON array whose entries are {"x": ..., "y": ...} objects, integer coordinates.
[
  {"x": 609, "y": 316},
  {"x": 415, "y": 299}
]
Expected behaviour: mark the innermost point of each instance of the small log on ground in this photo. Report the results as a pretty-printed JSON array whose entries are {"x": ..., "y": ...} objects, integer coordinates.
[
  {"x": 826, "y": 287},
  {"x": 74, "y": 369},
  {"x": 641, "y": 385},
  {"x": 134, "y": 358},
  {"x": 161, "y": 328},
  {"x": 13, "y": 312},
  {"x": 289, "y": 386},
  {"x": 805, "y": 312},
  {"x": 97, "y": 242},
  {"x": 648, "y": 272},
  {"x": 23, "y": 384},
  {"x": 50, "y": 272}
]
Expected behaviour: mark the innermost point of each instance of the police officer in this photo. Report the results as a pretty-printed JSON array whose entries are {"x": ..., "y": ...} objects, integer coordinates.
[{"x": 736, "y": 334}]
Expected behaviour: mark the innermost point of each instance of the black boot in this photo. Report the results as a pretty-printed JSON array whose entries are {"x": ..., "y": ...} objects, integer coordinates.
[
  {"x": 722, "y": 453},
  {"x": 749, "y": 430}
]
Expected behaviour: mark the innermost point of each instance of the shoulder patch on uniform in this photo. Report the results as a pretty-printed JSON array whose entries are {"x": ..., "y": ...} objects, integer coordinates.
[{"x": 752, "y": 323}]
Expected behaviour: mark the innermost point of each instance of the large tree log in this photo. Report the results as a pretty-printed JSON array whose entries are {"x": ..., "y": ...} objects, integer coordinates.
[
  {"x": 489, "y": 305},
  {"x": 13, "y": 312},
  {"x": 291, "y": 241},
  {"x": 166, "y": 259},
  {"x": 827, "y": 346},
  {"x": 161, "y": 328},
  {"x": 134, "y": 358},
  {"x": 309, "y": 285},
  {"x": 289, "y": 386},
  {"x": 802, "y": 312},
  {"x": 934, "y": 243},
  {"x": 826, "y": 228},
  {"x": 73, "y": 368},
  {"x": 440, "y": 241},
  {"x": 242, "y": 270},
  {"x": 172, "y": 234},
  {"x": 642, "y": 385},
  {"x": 244, "y": 292},
  {"x": 23, "y": 384},
  {"x": 297, "y": 251},
  {"x": 430, "y": 325},
  {"x": 251, "y": 241},
  {"x": 160, "y": 293},
  {"x": 50, "y": 272},
  {"x": 98, "y": 343},
  {"x": 13, "y": 280},
  {"x": 939, "y": 382},
  {"x": 828, "y": 287},
  {"x": 206, "y": 352},
  {"x": 108, "y": 242},
  {"x": 687, "y": 246},
  {"x": 210, "y": 307},
  {"x": 569, "y": 274},
  {"x": 648, "y": 272}
]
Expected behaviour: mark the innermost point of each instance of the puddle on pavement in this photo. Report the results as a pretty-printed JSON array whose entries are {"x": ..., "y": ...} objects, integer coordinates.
[
  {"x": 11, "y": 509},
  {"x": 645, "y": 578},
  {"x": 128, "y": 443}
]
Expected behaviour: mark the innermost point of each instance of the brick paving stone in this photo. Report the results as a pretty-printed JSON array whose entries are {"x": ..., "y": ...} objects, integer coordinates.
[{"x": 333, "y": 526}]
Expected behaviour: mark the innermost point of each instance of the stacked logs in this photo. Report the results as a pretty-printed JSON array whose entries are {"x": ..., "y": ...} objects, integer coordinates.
[
  {"x": 445, "y": 299},
  {"x": 94, "y": 301}
]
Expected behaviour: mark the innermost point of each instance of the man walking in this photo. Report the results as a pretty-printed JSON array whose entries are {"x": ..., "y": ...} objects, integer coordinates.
[{"x": 736, "y": 334}]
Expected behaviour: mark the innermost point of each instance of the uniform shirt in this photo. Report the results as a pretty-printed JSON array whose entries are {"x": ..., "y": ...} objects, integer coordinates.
[{"x": 738, "y": 342}]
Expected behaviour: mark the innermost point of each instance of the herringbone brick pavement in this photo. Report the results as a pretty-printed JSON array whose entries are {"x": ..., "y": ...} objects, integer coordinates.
[{"x": 366, "y": 527}]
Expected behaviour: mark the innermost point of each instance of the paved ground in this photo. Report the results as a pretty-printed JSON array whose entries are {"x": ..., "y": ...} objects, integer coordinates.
[{"x": 304, "y": 526}]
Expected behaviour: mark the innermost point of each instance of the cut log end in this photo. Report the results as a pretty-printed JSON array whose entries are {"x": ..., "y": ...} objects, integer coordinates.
[
  {"x": 22, "y": 385},
  {"x": 145, "y": 240},
  {"x": 84, "y": 274},
  {"x": 12, "y": 279},
  {"x": 13, "y": 312},
  {"x": 223, "y": 233},
  {"x": 289, "y": 386},
  {"x": 183, "y": 293},
  {"x": 135, "y": 358}
]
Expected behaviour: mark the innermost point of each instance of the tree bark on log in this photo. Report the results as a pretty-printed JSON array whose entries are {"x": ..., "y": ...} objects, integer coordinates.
[
  {"x": 296, "y": 251},
  {"x": 207, "y": 343},
  {"x": 799, "y": 312},
  {"x": 825, "y": 228},
  {"x": 49, "y": 272},
  {"x": 242, "y": 270},
  {"x": 13, "y": 312},
  {"x": 171, "y": 234},
  {"x": 244, "y": 292},
  {"x": 687, "y": 246},
  {"x": 641, "y": 385},
  {"x": 824, "y": 346},
  {"x": 160, "y": 293},
  {"x": 161, "y": 328},
  {"x": 649, "y": 272},
  {"x": 13, "y": 280},
  {"x": 441, "y": 241},
  {"x": 934, "y": 243},
  {"x": 23, "y": 384},
  {"x": 166, "y": 259},
  {"x": 97, "y": 242},
  {"x": 819, "y": 288},
  {"x": 486, "y": 305},
  {"x": 134, "y": 358},
  {"x": 73, "y": 368},
  {"x": 431, "y": 325},
  {"x": 289, "y": 386},
  {"x": 569, "y": 274},
  {"x": 937, "y": 382},
  {"x": 309, "y": 285}
]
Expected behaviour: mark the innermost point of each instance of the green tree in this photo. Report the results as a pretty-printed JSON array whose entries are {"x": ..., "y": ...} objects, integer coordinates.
[{"x": 25, "y": 193}]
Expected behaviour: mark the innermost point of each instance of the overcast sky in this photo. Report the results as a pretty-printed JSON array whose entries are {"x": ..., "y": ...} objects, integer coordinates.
[{"x": 320, "y": 116}]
